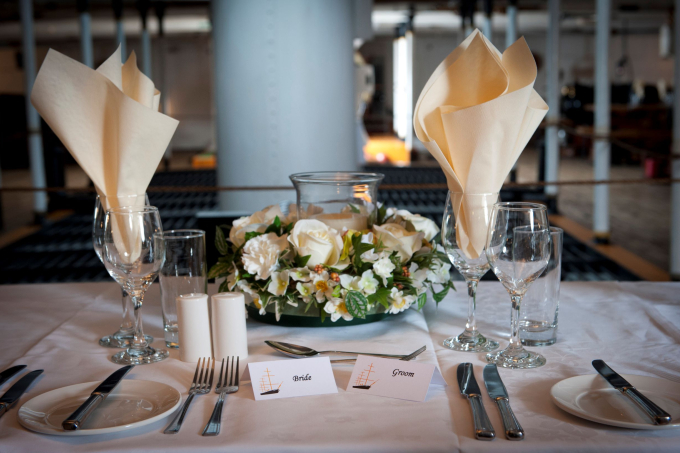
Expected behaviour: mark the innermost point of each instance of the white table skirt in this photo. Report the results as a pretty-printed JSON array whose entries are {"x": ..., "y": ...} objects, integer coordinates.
[{"x": 633, "y": 326}]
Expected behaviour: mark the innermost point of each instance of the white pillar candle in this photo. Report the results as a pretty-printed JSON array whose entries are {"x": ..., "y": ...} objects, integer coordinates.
[
  {"x": 193, "y": 322},
  {"x": 229, "y": 325},
  {"x": 349, "y": 220}
]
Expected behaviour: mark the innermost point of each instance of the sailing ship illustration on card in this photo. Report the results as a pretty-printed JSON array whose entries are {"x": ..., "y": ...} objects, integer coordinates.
[
  {"x": 267, "y": 387},
  {"x": 364, "y": 381}
]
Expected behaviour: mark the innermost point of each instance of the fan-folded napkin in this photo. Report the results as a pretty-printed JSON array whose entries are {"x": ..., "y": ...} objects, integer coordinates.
[{"x": 475, "y": 115}]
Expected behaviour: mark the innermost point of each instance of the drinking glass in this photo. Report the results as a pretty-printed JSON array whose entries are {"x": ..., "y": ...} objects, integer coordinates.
[
  {"x": 184, "y": 271},
  {"x": 540, "y": 305},
  {"x": 122, "y": 337},
  {"x": 518, "y": 249},
  {"x": 459, "y": 211},
  {"x": 133, "y": 258}
]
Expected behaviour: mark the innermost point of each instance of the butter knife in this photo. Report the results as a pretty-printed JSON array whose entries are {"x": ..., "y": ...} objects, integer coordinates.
[
  {"x": 9, "y": 372},
  {"x": 658, "y": 415},
  {"x": 468, "y": 387},
  {"x": 498, "y": 393},
  {"x": 76, "y": 419},
  {"x": 14, "y": 393}
]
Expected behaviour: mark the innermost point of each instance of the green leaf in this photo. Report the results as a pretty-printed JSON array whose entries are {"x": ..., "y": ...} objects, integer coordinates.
[
  {"x": 218, "y": 269},
  {"x": 322, "y": 312},
  {"x": 382, "y": 212},
  {"x": 354, "y": 209},
  {"x": 438, "y": 297},
  {"x": 422, "y": 299},
  {"x": 301, "y": 261},
  {"x": 336, "y": 291},
  {"x": 356, "y": 304},
  {"x": 289, "y": 227},
  {"x": 250, "y": 235},
  {"x": 359, "y": 249},
  {"x": 275, "y": 227},
  {"x": 224, "y": 287},
  {"x": 381, "y": 296},
  {"x": 221, "y": 242}
]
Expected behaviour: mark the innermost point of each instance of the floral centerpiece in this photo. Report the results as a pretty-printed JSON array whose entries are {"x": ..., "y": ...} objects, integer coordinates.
[{"x": 305, "y": 266}]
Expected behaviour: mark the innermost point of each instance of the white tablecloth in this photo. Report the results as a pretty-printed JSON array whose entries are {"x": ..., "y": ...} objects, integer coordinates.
[{"x": 633, "y": 326}]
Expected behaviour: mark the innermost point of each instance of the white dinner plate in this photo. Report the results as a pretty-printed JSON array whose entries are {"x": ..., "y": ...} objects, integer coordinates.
[
  {"x": 591, "y": 397},
  {"x": 132, "y": 404}
]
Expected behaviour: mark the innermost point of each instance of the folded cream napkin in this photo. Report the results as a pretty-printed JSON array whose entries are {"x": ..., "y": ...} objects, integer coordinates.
[
  {"x": 475, "y": 115},
  {"x": 109, "y": 121}
]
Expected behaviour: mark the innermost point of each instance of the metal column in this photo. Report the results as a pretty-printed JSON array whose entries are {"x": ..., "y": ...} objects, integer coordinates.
[
  {"x": 120, "y": 31},
  {"x": 552, "y": 147},
  {"x": 675, "y": 163},
  {"x": 602, "y": 152},
  {"x": 35, "y": 146},
  {"x": 85, "y": 33},
  {"x": 511, "y": 26}
]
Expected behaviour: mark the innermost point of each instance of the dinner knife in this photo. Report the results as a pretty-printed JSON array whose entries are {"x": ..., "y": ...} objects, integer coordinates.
[
  {"x": 14, "y": 393},
  {"x": 658, "y": 415},
  {"x": 498, "y": 393},
  {"x": 76, "y": 419},
  {"x": 468, "y": 387},
  {"x": 9, "y": 372}
]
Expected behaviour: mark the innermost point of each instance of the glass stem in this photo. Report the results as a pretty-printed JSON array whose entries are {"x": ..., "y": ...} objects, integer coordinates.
[
  {"x": 138, "y": 343},
  {"x": 471, "y": 325},
  {"x": 515, "y": 343},
  {"x": 128, "y": 324}
]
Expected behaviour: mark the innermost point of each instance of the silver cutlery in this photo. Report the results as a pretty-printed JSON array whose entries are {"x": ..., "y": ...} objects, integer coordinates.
[
  {"x": 14, "y": 393},
  {"x": 78, "y": 417},
  {"x": 414, "y": 354},
  {"x": 297, "y": 351},
  {"x": 224, "y": 387},
  {"x": 9, "y": 372},
  {"x": 468, "y": 387},
  {"x": 498, "y": 393},
  {"x": 658, "y": 415},
  {"x": 199, "y": 386}
]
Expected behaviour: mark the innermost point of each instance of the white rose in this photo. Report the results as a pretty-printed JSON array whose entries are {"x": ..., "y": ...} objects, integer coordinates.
[
  {"x": 383, "y": 268},
  {"x": 256, "y": 222},
  {"x": 315, "y": 238},
  {"x": 261, "y": 254},
  {"x": 396, "y": 238},
  {"x": 420, "y": 224}
]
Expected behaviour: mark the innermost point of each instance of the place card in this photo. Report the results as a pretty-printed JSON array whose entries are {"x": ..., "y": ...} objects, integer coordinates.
[
  {"x": 393, "y": 378},
  {"x": 290, "y": 378}
]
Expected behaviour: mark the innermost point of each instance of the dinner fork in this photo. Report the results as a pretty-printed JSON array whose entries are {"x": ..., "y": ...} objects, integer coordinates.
[
  {"x": 224, "y": 387},
  {"x": 199, "y": 386}
]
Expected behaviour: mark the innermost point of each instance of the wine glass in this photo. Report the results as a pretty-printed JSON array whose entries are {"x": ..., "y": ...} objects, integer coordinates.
[
  {"x": 133, "y": 258},
  {"x": 518, "y": 249},
  {"x": 122, "y": 337},
  {"x": 459, "y": 214}
]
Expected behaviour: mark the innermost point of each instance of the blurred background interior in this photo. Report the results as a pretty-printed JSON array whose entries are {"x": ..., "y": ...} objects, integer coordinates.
[{"x": 266, "y": 88}]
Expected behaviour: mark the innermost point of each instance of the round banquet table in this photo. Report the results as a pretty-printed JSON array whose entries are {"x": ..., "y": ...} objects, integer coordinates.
[{"x": 635, "y": 327}]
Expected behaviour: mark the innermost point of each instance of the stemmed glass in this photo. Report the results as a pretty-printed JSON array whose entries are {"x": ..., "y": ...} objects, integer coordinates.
[
  {"x": 133, "y": 258},
  {"x": 125, "y": 334},
  {"x": 459, "y": 214},
  {"x": 518, "y": 249}
]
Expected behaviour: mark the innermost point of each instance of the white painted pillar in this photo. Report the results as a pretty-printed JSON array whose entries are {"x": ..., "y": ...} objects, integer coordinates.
[
  {"x": 675, "y": 163},
  {"x": 284, "y": 94},
  {"x": 408, "y": 92},
  {"x": 35, "y": 146},
  {"x": 552, "y": 147},
  {"x": 602, "y": 151},
  {"x": 86, "y": 35},
  {"x": 511, "y": 26}
]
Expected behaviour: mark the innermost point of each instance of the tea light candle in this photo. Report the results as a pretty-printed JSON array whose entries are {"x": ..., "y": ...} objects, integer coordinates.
[{"x": 349, "y": 220}]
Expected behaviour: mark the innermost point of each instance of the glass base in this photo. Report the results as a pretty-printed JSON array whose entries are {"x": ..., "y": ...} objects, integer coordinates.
[
  {"x": 517, "y": 359},
  {"x": 467, "y": 342},
  {"x": 172, "y": 337},
  {"x": 537, "y": 333},
  {"x": 148, "y": 355},
  {"x": 120, "y": 340}
]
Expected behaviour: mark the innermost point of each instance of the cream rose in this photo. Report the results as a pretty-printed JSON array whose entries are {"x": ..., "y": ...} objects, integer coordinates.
[
  {"x": 396, "y": 238},
  {"x": 256, "y": 222},
  {"x": 420, "y": 224},
  {"x": 315, "y": 238}
]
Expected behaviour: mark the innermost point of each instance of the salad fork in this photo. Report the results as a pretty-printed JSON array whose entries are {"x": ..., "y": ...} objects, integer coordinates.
[
  {"x": 199, "y": 386},
  {"x": 224, "y": 386}
]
